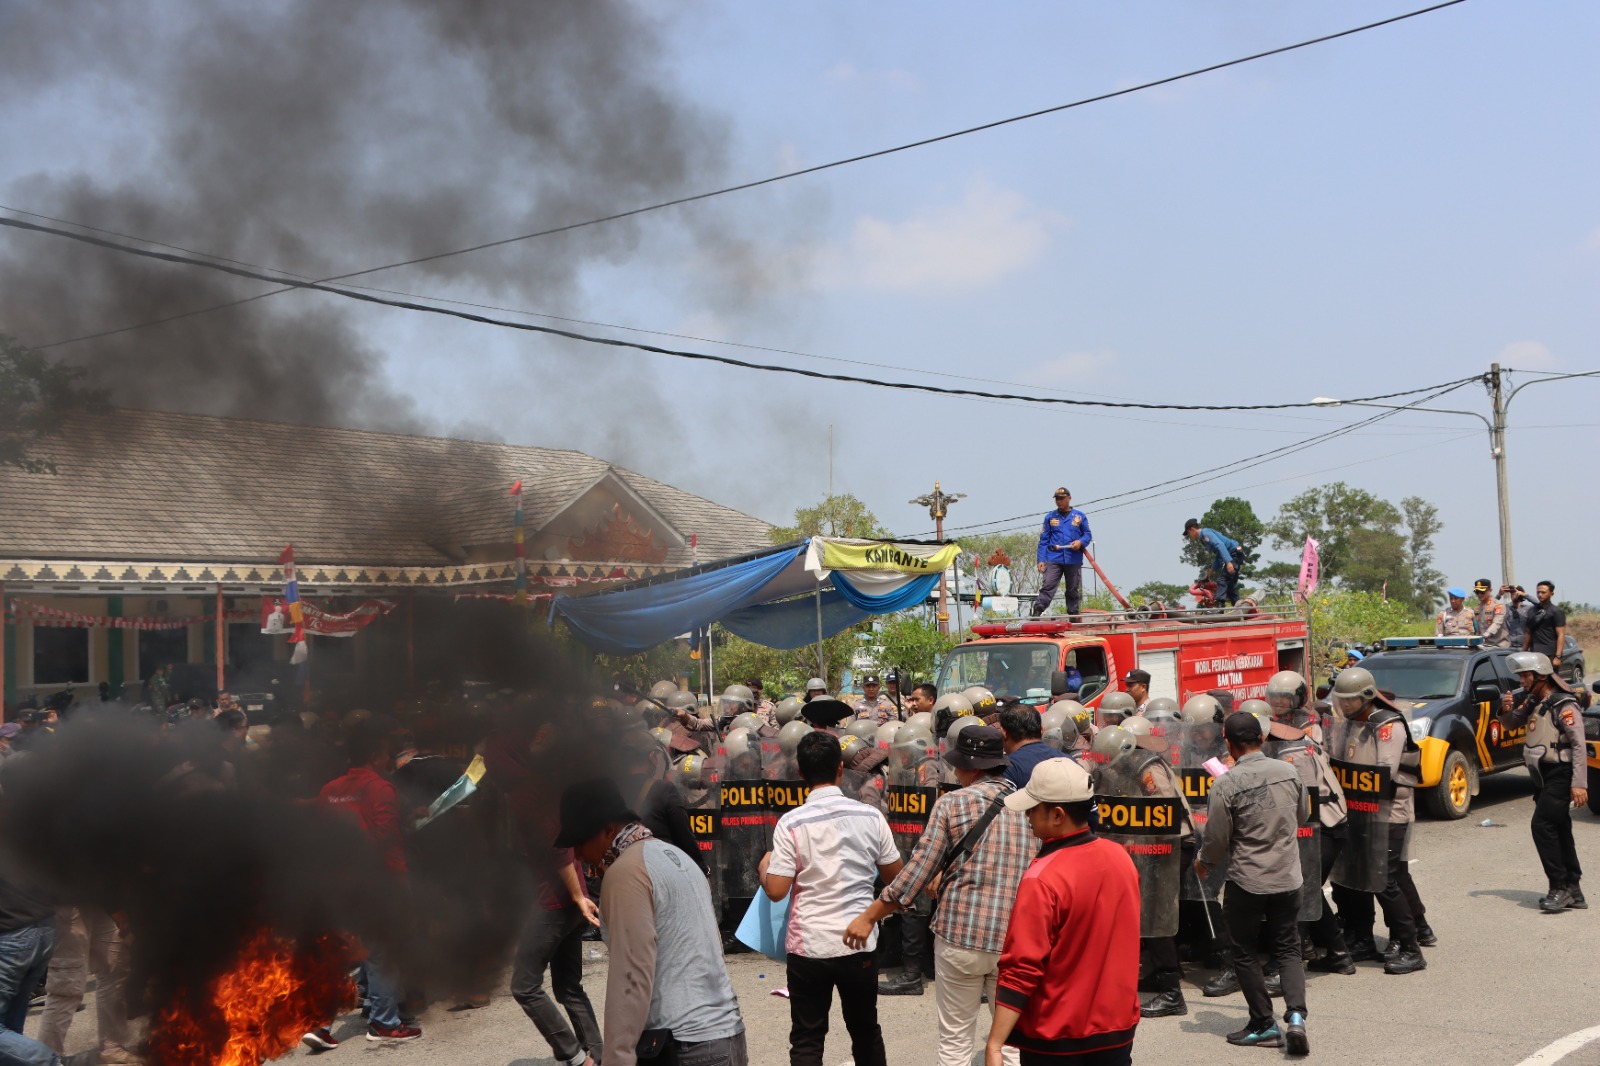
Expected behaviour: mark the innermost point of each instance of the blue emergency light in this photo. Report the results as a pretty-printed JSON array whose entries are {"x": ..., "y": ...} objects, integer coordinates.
[{"x": 1402, "y": 643}]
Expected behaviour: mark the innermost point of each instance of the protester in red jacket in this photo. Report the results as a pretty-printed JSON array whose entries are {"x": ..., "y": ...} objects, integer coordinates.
[{"x": 1068, "y": 983}]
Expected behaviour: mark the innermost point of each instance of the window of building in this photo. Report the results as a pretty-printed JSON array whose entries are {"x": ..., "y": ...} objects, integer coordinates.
[
  {"x": 60, "y": 656},
  {"x": 161, "y": 647}
]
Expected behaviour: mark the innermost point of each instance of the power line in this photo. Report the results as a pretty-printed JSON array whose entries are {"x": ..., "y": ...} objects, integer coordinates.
[
  {"x": 613, "y": 342},
  {"x": 803, "y": 171}
]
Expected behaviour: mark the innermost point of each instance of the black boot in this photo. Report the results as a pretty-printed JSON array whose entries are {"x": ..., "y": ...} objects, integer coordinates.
[
  {"x": 1225, "y": 983},
  {"x": 1333, "y": 962},
  {"x": 1558, "y": 900},
  {"x": 1169, "y": 1004},
  {"x": 1364, "y": 949},
  {"x": 1407, "y": 960},
  {"x": 907, "y": 983},
  {"x": 1578, "y": 903},
  {"x": 1425, "y": 936}
]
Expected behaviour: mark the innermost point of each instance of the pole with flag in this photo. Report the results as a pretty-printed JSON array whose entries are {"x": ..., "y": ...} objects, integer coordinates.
[
  {"x": 519, "y": 546},
  {"x": 1308, "y": 571},
  {"x": 291, "y": 605}
]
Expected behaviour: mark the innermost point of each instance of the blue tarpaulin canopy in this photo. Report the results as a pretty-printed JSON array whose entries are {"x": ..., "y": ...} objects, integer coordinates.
[{"x": 779, "y": 597}]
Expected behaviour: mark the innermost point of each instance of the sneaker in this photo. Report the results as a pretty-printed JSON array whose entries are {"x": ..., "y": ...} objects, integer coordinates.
[
  {"x": 907, "y": 983},
  {"x": 1333, "y": 962},
  {"x": 1266, "y": 1036},
  {"x": 1577, "y": 903},
  {"x": 1425, "y": 936},
  {"x": 1294, "y": 1034},
  {"x": 1557, "y": 901},
  {"x": 398, "y": 1035},
  {"x": 320, "y": 1039}
]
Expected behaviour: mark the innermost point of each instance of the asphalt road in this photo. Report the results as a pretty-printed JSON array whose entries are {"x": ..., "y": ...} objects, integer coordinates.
[{"x": 1505, "y": 982}]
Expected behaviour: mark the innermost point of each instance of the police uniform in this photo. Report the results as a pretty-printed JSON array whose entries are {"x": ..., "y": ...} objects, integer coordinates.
[
  {"x": 1333, "y": 817},
  {"x": 1557, "y": 759},
  {"x": 1460, "y": 623},
  {"x": 1491, "y": 620},
  {"x": 880, "y": 710},
  {"x": 1060, "y": 559}
]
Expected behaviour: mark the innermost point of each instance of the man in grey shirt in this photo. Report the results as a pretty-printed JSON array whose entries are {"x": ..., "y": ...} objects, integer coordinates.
[{"x": 1254, "y": 816}]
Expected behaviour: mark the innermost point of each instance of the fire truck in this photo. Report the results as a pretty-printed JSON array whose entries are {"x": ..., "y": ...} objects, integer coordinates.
[{"x": 1184, "y": 652}]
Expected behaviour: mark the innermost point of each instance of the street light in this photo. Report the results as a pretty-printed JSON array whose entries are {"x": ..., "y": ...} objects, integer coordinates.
[
  {"x": 1499, "y": 400},
  {"x": 938, "y": 504}
]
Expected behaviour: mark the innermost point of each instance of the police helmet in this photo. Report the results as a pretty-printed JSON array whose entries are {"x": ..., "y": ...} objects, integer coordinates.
[
  {"x": 883, "y": 736},
  {"x": 912, "y": 744},
  {"x": 746, "y": 720},
  {"x": 851, "y": 747},
  {"x": 1138, "y": 726},
  {"x": 789, "y": 736},
  {"x": 662, "y": 689},
  {"x": 691, "y": 772},
  {"x": 1201, "y": 708},
  {"x": 1162, "y": 709},
  {"x": 1524, "y": 662},
  {"x": 865, "y": 728},
  {"x": 949, "y": 742},
  {"x": 788, "y": 709},
  {"x": 1256, "y": 707},
  {"x": 1054, "y": 723},
  {"x": 663, "y": 736},
  {"x": 923, "y": 719},
  {"x": 1354, "y": 681},
  {"x": 739, "y": 741},
  {"x": 948, "y": 708},
  {"x": 681, "y": 701},
  {"x": 816, "y": 684},
  {"x": 1115, "y": 706},
  {"x": 1287, "y": 685},
  {"x": 981, "y": 699},
  {"x": 736, "y": 698},
  {"x": 1080, "y": 716},
  {"x": 1113, "y": 741}
]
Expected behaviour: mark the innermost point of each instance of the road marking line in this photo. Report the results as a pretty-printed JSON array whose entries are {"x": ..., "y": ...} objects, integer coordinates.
[{"x": 1560, "y": 1049}]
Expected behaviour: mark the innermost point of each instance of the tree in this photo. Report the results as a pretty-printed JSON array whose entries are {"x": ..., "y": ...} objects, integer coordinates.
[
  {"x": 1378, "y": 563},
  {"x": 1422, "y": 525},
  {"x": 912, "y": 645},
  {"x": 34, "y": 393},
  {"x": 1162, "y": 591},
  {"x": 1279, "y": 582},
  {"x": 1232, "y": 517},
  {"x": 1330, "y": 514},
  {"x": 835, "y": 516}
]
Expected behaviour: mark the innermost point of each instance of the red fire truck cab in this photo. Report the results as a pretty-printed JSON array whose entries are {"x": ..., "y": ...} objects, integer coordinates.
[{"x": 1185, "y": 653}]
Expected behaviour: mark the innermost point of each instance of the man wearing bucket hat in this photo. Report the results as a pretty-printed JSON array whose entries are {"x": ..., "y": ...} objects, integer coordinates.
[
  {"x": 666, "y": 985},
  {"x": 1455, "y": 620},
  {"x": 976, "y": 852},
  {"x": 1069, "y": 974}
]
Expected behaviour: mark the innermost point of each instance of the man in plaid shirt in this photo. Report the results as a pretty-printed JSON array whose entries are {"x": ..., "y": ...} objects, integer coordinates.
[{"x": 975, "y": 894}]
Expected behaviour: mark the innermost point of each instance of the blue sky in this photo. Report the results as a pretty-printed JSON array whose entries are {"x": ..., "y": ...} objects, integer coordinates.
[{"x": 1377, "y": 213}]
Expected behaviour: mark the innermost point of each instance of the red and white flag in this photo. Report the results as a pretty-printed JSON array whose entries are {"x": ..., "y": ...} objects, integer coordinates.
[{"x": 1308, "y": 571}]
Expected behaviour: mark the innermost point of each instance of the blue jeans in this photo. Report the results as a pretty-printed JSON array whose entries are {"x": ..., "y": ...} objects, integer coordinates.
[
  {"x": 382, "y": 991},
  {"x": 24, "y": 958}
]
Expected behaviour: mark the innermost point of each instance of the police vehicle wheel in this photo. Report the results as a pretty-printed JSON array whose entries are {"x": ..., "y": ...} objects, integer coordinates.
[{"x": 1452, "y": 797}]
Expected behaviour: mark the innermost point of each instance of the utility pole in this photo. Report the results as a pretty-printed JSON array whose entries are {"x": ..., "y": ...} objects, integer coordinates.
[
  {"x": 1497, "y": 449},
  {"x": 938, "y": 505}
]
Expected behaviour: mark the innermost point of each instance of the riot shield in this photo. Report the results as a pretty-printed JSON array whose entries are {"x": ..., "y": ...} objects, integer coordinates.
[
  {"x": 745, "y": 822},
  {"x": 1301, "y": 754},
  {"x": 909, "y": 802},
  {"x": 701, "y": 791},
  {"x": 785, "y": 790},
  {"x": 864, "y": 780},
  {"x": 1199, "y": 742},
  {"x": 1139, "y": 809},
  {"x": 1363, "y": 865}
]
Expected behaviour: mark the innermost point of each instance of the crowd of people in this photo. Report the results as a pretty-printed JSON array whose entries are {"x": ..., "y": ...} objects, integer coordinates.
[{"x": 1061, "y": 864}]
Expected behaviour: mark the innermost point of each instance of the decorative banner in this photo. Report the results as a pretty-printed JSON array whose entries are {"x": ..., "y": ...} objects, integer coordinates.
[
  {"x": 464, "y": 786},
  {"x": 274, "y": 618},
  {"x": 291, "y": 602},
  {"x": 1308, "y": 571},
  {"x": 40, "y": 615},
  {"x": 521, "y": 595},
  {"x": 828, "y": 553}
]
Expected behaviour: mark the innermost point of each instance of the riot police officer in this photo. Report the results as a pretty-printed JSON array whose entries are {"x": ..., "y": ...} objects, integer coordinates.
[
  {"x": 1379, "y": 767},
  {"x": 1117, "y": 706},
  {"x": 1557, "y": 758}
]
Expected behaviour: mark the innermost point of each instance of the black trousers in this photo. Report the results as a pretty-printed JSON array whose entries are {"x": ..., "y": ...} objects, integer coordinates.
[
  {"x": 1055, "y": 574},
  {"x": 1356, "y": 909},
  {"x": 1552, "y": 827},
  {"x": 811, "y": 985},
  {"x": 553, "y": 940},
  {"x": 1325, "y": 932},
  {"x": 1117, "y": 1056},
  {"x": 1245, "y": 914},
  {"x": 1227, "y": 586}
]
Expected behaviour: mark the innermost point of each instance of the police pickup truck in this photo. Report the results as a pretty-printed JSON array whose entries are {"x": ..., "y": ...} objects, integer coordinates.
[{"x": 1450, "y": 688}]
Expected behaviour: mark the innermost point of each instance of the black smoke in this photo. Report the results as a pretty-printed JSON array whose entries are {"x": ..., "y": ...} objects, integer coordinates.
[{"x": 324, "y": 138}]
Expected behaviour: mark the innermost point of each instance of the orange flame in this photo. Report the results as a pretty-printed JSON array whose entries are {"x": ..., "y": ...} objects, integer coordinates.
[{"x": 258, "y": 1010}]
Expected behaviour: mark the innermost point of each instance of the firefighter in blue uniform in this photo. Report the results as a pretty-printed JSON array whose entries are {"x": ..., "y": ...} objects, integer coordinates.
[
  {"x": 1227, "y": 555},
  {"x": 1062, "y": 540}
]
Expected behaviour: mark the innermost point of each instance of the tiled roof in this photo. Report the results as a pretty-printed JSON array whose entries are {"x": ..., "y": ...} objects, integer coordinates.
[{"x": 147, "y": 485}]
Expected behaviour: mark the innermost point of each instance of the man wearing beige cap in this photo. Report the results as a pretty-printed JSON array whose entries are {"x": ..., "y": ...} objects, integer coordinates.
[{"x": 1069, "y": 974}]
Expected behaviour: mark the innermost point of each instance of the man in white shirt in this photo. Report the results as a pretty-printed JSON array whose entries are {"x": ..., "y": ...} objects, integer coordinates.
[{"x": 828, "y": 853}]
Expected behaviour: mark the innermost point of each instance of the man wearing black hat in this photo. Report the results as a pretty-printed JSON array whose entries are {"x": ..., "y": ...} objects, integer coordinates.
[
  {"x": 1227, "y": 556},
  {"x": 666, "y": 975},
  {"x": 978, "y": 852},
  {"x": 1137, "y": 682},
  {"x": 1062, "y": 541},
  {"x": 1252, "y": 826},
  {"x": 826, "y": 713}
]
